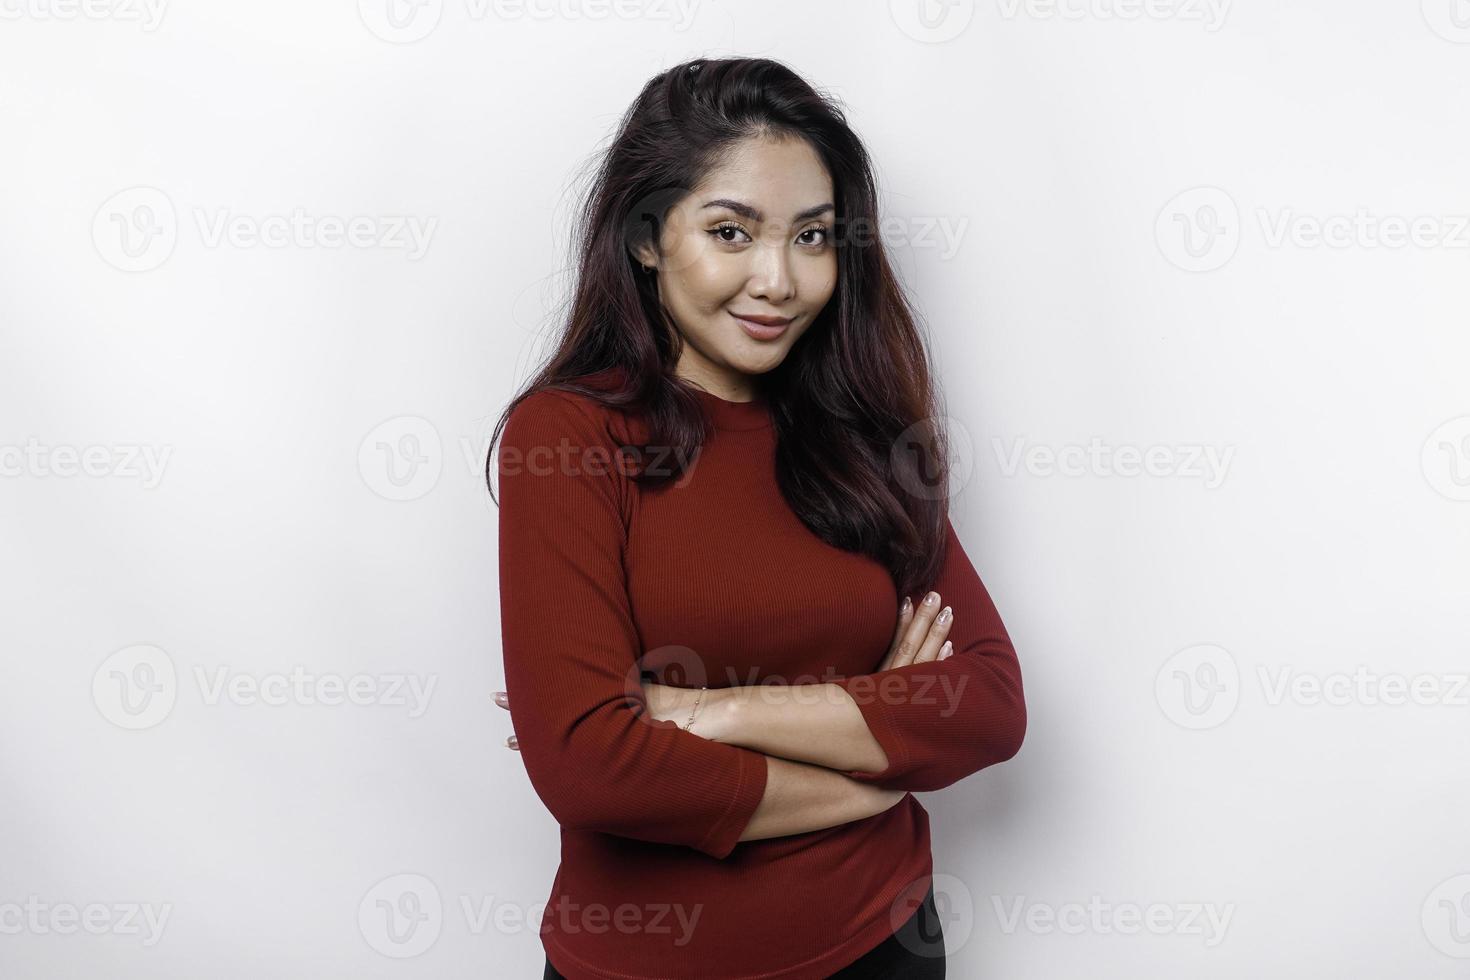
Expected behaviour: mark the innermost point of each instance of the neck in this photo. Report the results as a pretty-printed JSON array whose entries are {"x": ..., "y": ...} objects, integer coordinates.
[{"x": 724, "y": 383}]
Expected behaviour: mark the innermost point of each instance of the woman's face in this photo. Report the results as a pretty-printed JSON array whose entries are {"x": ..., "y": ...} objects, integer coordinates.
[{"x": 754, "y": 239}]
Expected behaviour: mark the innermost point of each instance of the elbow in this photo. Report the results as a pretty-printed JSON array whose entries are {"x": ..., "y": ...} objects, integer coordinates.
[
  {"x": 1013, "y": 731},
  {"x": 575, "y": 804},
  {"x": 602, "y": 796},
  {"x": 1002, "y": 743},
  {"x": 573, "y": 811},
  {"x": 566, "y": 808},
  {"x": 1004, "y": 732},
  {"x": 588, "y": 802},
  {"x": 1009, "y": 744},
  {"x": 588, "y": 808}
]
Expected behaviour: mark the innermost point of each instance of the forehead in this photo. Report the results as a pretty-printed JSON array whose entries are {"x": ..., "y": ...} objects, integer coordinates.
[{"x": 770, "y": 174}]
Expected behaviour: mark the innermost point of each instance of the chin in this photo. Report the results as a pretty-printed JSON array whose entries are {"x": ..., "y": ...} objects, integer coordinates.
[{"x": 756, "y": 361}]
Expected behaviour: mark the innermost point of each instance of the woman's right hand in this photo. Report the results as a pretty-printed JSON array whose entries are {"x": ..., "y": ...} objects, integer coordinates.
[{"x": 920, "y": 633}]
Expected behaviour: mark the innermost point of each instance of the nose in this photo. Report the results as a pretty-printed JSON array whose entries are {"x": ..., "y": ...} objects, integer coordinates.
[{"x": 771, "y": 278}]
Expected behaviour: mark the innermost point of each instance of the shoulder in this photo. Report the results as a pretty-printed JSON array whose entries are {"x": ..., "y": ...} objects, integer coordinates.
[
  {"x": 558, "y": 412},
  {"x": 553, "y": 424},
  {"x": 552, "y": 408},
  {"x": 553, "y": 412},
  {"x": 558, "y": 443}
]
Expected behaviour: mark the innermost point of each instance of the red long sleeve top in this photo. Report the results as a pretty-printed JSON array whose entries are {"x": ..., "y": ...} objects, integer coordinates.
[{"x": 599, "y": 578}]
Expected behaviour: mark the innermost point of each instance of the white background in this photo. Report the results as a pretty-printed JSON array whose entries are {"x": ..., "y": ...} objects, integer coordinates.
[{"x": 317, "y": 417}]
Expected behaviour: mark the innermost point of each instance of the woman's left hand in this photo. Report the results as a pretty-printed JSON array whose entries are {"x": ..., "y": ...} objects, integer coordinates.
[{"x": 503, "y": 699}]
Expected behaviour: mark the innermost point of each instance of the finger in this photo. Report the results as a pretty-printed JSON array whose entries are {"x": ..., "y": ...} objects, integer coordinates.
[
  {"x": 938, "y": 633},
  {"x": 905, "y": 615},
  {"x": 924, "y": 615}
]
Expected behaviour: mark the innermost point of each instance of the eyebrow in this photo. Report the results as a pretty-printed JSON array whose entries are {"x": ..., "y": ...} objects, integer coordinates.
[{"x": 754, "y": 214}]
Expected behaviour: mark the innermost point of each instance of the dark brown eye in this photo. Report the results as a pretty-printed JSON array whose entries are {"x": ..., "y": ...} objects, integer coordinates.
[{"x": 719, "y": 232}]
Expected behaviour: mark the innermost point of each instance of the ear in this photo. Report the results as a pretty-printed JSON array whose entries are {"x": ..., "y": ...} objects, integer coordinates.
[{"x": 644, "y": 254}]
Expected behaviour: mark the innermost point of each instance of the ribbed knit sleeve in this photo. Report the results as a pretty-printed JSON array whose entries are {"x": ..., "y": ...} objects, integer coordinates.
[
  {"x": 594, "y": 755},
  {"x": 940, "y": 721}
]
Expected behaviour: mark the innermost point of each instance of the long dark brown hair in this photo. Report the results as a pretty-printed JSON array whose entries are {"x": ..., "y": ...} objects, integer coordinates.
[{"x": 860, "y": 456}]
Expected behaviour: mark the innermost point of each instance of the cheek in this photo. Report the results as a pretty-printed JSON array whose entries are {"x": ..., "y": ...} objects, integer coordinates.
[
  {"x": 711, "y": 281},
  {"x": 820, "y": 280}
]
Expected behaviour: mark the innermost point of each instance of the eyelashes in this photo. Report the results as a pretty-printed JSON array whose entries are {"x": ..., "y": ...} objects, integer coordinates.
[{"x": 718, "y": 231}]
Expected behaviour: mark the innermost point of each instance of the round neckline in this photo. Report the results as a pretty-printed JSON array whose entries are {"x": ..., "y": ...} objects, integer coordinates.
[{"x": 735, "y": 416}]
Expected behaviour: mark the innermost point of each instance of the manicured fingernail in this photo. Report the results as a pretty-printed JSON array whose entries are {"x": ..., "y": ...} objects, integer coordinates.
[
  {"x": 946, "y": 650},
  {"x": 908, "y": 605},
  {"x": 945, "y": 614},
  {"x": 931, "y": 598}
]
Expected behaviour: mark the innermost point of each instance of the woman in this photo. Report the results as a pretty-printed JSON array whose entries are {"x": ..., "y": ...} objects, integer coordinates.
[{"x": 712, "y": 499}]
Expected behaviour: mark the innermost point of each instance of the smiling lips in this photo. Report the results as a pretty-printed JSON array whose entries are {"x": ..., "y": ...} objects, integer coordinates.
[{"x": 763, "y": 327}]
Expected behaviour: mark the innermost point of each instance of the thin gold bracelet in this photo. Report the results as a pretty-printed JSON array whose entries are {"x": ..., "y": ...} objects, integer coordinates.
[{"x": 696, "y": 707}]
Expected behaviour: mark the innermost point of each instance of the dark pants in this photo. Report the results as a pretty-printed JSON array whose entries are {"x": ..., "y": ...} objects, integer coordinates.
[{"x": 914, "y": 952}]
